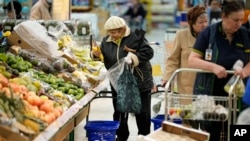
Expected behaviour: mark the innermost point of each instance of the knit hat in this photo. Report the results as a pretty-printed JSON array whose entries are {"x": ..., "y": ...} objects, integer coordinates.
[{"x": 114, "y": 22}]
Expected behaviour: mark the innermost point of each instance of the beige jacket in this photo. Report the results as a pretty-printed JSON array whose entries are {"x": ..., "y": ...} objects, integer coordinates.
[
  {"x": 40, "y": 11},
  {"x": 178, "y": 58}
]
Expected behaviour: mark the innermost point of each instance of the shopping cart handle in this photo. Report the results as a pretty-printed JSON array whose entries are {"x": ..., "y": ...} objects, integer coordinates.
[
  {"x": 167, "y": 86},
  {"x": 158, "y": 86}
]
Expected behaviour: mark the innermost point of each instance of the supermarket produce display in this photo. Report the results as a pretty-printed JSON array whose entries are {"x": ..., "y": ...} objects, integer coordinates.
[{"x": 46, "y": 83}]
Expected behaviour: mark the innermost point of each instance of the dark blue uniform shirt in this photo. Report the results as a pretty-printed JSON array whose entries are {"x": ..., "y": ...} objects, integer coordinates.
[{"x": 228, "y": 52}]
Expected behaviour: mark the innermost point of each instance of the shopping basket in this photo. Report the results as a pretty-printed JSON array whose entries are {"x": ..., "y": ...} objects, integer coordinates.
[
  {"x": 101, "y": 130},
  {"x": 157, "y": 120},
  {"x": 201, "y": 107}
]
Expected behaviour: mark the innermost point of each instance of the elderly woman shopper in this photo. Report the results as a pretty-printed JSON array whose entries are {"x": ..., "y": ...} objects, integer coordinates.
[
  {"x": 216, "y": 49},
  {"x": 185, "y": 38},
  {"x": 119, "y": 43}
]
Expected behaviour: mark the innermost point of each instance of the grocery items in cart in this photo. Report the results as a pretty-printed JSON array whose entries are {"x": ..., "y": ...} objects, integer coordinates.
[
  {"x": 197, "y": 107},
  {"x": 202, "y": 106}
]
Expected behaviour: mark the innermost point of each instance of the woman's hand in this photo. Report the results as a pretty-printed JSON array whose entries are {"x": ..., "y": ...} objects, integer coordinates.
[
  {"x": 163, "y": 83},
  {"x": 96, "y": 53},
  {"x": 219, "y": 71},
  {"x": 245, "y": 72},
  {"x": 241, "y": 72}
]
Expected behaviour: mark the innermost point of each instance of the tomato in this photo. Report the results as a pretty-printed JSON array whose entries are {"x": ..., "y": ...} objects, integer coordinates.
[
  {"x": 46, "y": 107},
  {"x": 14, "y": 87},
  {"x": 47, "y": 119},
  {"x": 3, "y": 80},
  {"x": 56, "y": 112},
  {"x": 23, "y": 88},
  {"x": 6, "y": 90},
  {"x": 35, "y": 100}
]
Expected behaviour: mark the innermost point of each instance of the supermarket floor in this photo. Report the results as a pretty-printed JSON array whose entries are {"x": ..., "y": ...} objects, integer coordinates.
[{"x": 101, "y": 108}]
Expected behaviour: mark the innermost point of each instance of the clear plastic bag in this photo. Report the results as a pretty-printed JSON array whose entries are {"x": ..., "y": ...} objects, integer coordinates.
[
  {"x": 114, "y": 72},
  {"x": 235, "y": 81},
  {"x": 239, "y": 88}
]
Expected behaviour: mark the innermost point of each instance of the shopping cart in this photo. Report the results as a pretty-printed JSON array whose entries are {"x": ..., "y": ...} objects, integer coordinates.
[
  {"x": 158, "y": 62},
  {"x": 169, "y": 39},
  {"x": 158, "y": 67},
  {"x": 201, "y": 107}
]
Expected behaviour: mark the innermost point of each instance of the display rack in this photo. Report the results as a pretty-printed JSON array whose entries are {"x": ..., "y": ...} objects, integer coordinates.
[
  {"x": 65, "y": 124},
  {"x": 162, "y": 13}
]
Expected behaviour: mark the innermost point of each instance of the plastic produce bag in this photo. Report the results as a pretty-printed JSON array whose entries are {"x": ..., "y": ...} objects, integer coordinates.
[
  {"x": 235, "y": 81},
  {"x": 239, "y": 88},
  {"x": 37, "y": 37},
  {"x": 128, "y": 95},
  {"x": 114, "y": 72}
]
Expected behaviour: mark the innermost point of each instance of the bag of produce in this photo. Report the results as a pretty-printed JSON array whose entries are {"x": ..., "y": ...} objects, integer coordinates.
[
  {"x": 37, "y": 37},
  {"x": 235, "y": 81}
]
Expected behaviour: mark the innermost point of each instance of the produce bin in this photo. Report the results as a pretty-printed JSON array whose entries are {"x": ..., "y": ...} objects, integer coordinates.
[{"x": 101, "y": 130}]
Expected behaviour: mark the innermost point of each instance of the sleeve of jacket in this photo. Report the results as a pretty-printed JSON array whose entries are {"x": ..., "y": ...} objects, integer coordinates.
[
  {"x": 35, "y": 13},
  {"x": 145, "y": 52},
  {"x": 173, "y": 60}
]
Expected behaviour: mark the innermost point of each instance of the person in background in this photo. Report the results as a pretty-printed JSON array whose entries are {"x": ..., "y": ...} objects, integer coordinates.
[
  {"x": 135, "y": 15},
  {"x": 247, "y": 23},
  {"x": 41, "y": 10},
  {"x": 18, "y": 10},
  {"x": 216, "y": 49},
  {"x": 214, "y": 11},
  {"x": 185, "y": 38},
  {"x": 119, "y": 43}
]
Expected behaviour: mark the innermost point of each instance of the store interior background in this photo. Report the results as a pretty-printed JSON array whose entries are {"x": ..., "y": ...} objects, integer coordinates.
[{"x": 160, "y": 13}]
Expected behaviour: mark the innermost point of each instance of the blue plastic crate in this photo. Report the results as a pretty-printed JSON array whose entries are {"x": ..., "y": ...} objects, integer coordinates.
[
  {"x": 157, "y": 120},
  {"x": 101, "y": 130}
]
